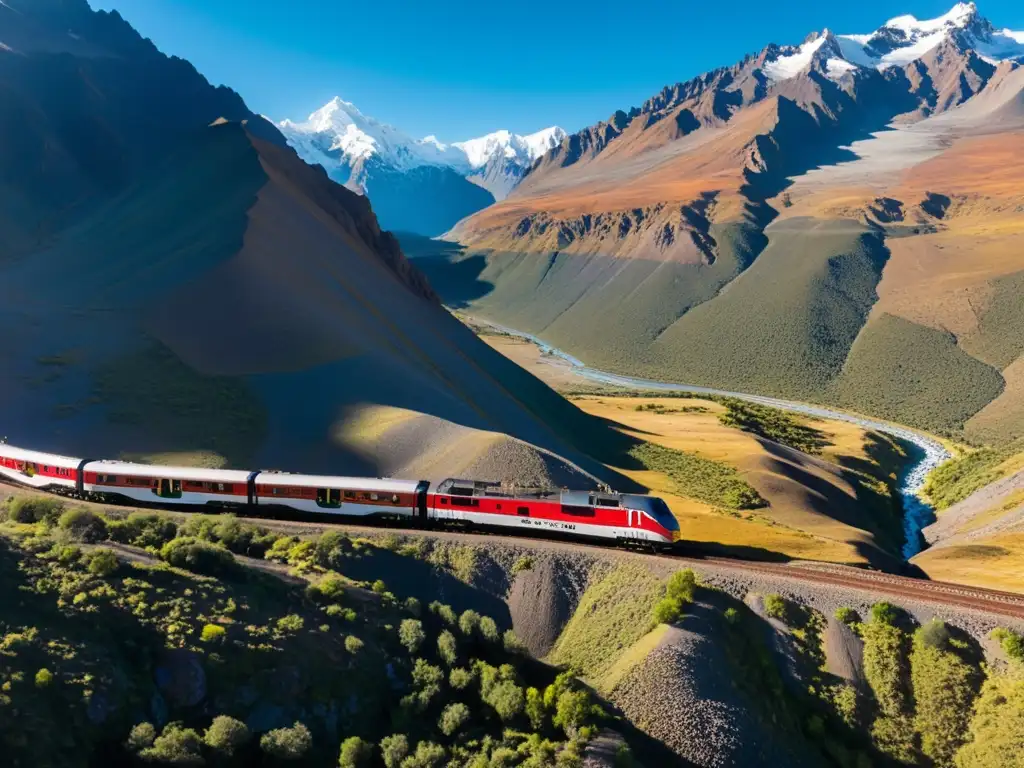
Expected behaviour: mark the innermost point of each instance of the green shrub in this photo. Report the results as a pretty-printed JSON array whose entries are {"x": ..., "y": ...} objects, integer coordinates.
[
  {"x": 460, "y": 678},
  {"x": 453, "y": 718},
  {"x": 447, "y": 647},
  {"x": 176, "y": 745},
  {"x": 944, "y": 691},
  {"x": 776, "y": 607},
  {"x": 332, "y": 547},
  {"x": 83, "y": 525},
  {"x": 507, "y": 698},
  {"x": 411, "y": 634},
  {"x": 997, "y": 728},
  {"x": 1012, "y": 643},
  {"x": 35, "y": 509},
  {"x": 413, "y": 606},
  {"x": 394, "y": 749},
  {"x": 773, "y": 424},
  {"x": 142, "y": 735},
  {"x": 524, "y": 563},
  {"x": 678, "y": 595},
  {"x": 102, "y": 562},
  {"x": 287, "y": 743},
  {"x": 511, "y": 643},
  {"x": 571, "y": 711},
  {"x": 330, "y": 589},
  {"x": 847, "y": 705},
  {"x": 894, "y": 737},
  {"x": 469, "y": 621},
  {"x": 444, "y": 612},
  {"x": 534, "y": 707},
  {"x": 669, "y": 610},
  {"x": 226, "y": 734},
  {"x": 958, "y": 478},
  {"x": 213, "y": 633},
  {"x": 847, "y": 616},
  {"x": 427, "y": 755},
  {"x": 731, "y": 615},
  {"x": 488, "y": 629},
  {"x": 291, "y": 623},
  {"x": 379, "y": 587},
  {"x": 884, "y": 613},
  {"x": 44, "y": 678},
  {"x": 198, "y": 556},
  {"x": 353, "y": 644},
  {"x": 144, "y": 529},
  {"x": 355, "y": 753}
]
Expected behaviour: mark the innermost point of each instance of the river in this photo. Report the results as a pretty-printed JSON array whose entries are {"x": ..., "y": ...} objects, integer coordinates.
[{"x": 916, "y": 513}]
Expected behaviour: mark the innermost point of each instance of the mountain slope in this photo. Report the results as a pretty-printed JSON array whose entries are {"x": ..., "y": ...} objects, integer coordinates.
[
  {"x": 416, "y": 185},
  {"x": 903, "y": 138},
  {"x": 222, "y": 301}
]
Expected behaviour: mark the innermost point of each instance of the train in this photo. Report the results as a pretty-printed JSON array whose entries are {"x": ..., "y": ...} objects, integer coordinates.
[{"x": 608, "y": 517}]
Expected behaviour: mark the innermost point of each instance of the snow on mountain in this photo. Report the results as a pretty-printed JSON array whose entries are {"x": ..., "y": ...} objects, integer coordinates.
[
  {"x": 338, "y": 136},
  {"x": 898, "y": 42}
]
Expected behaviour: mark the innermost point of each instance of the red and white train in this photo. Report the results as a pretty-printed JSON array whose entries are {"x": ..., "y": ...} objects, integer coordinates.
[{"x": 609, "y": 517}]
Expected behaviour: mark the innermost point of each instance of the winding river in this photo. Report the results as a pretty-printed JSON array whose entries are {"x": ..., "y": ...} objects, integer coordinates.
[{"x": 916, "y": 513}]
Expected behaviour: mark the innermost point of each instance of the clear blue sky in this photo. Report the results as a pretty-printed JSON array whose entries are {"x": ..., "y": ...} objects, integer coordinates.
[{"x": 459, "y": 69}]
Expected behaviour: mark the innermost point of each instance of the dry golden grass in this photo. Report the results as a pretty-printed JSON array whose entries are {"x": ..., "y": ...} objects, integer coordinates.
[
  {"x": 637, "y": 653},
  {"x": 992, "y": 515},
  {"x": 995, "y": 563},
  {"x": 1006, "y": 410}
]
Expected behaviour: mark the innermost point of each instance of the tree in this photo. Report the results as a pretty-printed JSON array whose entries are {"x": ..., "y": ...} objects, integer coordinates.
[
  {"x": 353, "y": 644},
  {"x": 355, "y": 753},
  {"x": 44, "y": 678},
  {"x": 488, "y": 629},
  {"x": 83, "y": 525},
  {"x": 507, "y": 698},
  {"x": 213, "y": 633},
  {"x": 226, "y": 734},
  {"x": 393, "y": 749},
  {"x": 460, "y": 678},
  {"x": 142, "y": 735},
  {"x": 177, "y": 745},
  {"x": 103, "y": 562},
  {"x": 287, "y": 743},
  {"x": 427, "y": 755},
  {"x": 571, "y": 711},
  {"x": 411, "y": 635},
  {"x": 997, "y": 728},
  {"x": 535, "y": 708},
  {"x": 444, "y": 612},
  {"x": 453, "y": 718},
  {"x": 468, "y": 622},
  {"x": 198, "y": 556},
  {"x": 447, "y": 647}
]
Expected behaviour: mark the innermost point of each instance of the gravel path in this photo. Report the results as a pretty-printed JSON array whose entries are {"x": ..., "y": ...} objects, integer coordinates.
[{"x": 917, "y": 514}]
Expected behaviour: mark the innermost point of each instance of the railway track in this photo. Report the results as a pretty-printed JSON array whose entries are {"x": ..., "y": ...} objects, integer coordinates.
[{"x": 875, "y": 583}]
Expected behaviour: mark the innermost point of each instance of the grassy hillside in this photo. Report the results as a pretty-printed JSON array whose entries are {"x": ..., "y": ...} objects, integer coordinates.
[
  {"x": 184, "y": 644},
  {"x": 958, "y": 478}
]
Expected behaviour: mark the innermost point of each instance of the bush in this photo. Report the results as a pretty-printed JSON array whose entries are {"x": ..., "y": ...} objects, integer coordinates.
[
  {"x": 198, "y": 556},
  {"x": 444, "y": 612},
  {"x": 83, "y": 525},
  {"x": 507, "y": 698},
  {"x": 732, "y": 616},
  {"x": 512, "y": 643},
  {"x": 669, "y": 610},
  {"x": 287, "y": 743},
  {"x": 44, "y": 678},
  {"x": 394, "y": 749},
  {"x": 411, "y": 635},
  {"x": 1012, "y": 643},
  {"x": 884, "y": 613},
  {"x": 453, "y": 718},
  {"x": 353, "y": 644},
  {"x": 447, "y": 647},
  {"x": 460, "y": 678},
  {"x": 177, "y": 745},
  {"x": 379, "y": 587},
  {"x": 35, "y": 509},
  {"x": 226, "y": 734},
  {"x": 524, "y": 563},
  {"x": 355, "y": 753},
  {"x": 944, "y": 689},
  {"x": 142, "y": 735},
  {"x": 102, "y": 562},
  {"x": 143, "y": 530},
  {"x": 469, "y": 621},
  {"x": 330, "y": 589},
  {"x": 571, "y": 711},
  {"x": 997, "y": 728},
  {"x": 213, "y": 633},
  {"x": 847, "y": 616},
  {"x": 535, "y": 709},
  {"x": 291, "y": 623},
  {"x": 488, "y": 629},
  {"x": 679, "y": 591},
  {"x": 776, "y": 607},
  {"x": 427, "y": 755}
]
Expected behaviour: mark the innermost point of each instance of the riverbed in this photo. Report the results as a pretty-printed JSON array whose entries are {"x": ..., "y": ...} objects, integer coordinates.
[{"x": 916, "y": 513}]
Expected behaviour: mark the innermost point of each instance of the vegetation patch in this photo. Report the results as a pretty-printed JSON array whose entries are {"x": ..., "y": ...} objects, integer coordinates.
[
  {"x": 698, "y": 478},
  {"x": 958, "y": 478},
  {"x": 773, "y": 424}
]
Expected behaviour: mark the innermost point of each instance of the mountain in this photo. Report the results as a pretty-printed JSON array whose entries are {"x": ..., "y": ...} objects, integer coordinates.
[
  {"x": 180, "y": 285},
  {"x": 416, "y": 185},
  {"x": 764, "y": 227}
]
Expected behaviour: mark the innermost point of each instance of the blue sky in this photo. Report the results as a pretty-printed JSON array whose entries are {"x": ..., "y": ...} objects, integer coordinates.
[{"x": 459, "y": 69}]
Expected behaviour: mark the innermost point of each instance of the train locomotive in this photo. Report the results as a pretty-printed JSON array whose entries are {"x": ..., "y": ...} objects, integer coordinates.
[{"x": 608, "y": 517}]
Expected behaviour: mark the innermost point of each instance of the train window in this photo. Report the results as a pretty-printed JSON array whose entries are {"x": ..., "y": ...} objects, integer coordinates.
[
  {"x": 373, "y": 497},
  {"x": 463, "y": 501},
  {"x": 604, "y": 501},
  {"x": 350, "y": 494},
  {"x": 328, "y": 497},
  {"x": 573, "y": 509},
  {"x": 456, "y": 491},
  {"x": 444, "y": 499},
  {"x": 523, "y": 511},
  {"x": 394, "y": 498}
]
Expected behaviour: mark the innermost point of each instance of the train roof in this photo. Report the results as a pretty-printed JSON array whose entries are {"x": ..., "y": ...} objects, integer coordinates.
[
  {"x": 38, "y": 457},
  {"x": 168, "y": 473},
  {"x": 384, "y": 485}
]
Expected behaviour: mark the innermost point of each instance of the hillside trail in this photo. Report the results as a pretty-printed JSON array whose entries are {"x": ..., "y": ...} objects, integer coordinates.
[{"x": 917, "y": 514}]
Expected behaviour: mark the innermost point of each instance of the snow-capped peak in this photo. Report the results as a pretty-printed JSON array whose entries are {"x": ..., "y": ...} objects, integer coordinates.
[
  {"x": 338, "y": 136},
  {"x": 899, "y": 41}
]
